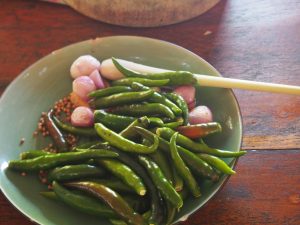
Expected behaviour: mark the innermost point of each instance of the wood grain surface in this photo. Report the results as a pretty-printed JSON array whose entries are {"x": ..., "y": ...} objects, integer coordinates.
[
  {"x": 136, "y": 13},
  {"x": 255, "y": 40}
]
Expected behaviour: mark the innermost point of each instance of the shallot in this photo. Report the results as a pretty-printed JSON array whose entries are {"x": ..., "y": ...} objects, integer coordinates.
[
  {"x": 84, "y": 66},
  {"x": 200, "y": 114},
  {"x": 82, "y": 86},
  {"x": 187, "y": 92},
  {"x": 82, "y": 116},
  {"x": 96, "y": 77}
]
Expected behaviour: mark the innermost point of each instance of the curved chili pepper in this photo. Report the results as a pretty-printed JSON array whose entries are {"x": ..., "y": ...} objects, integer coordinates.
[
  {"x": 124, "y": 144},
  {"x": 176, "y": 77},
  {"x": 180, "y": 103},
  {"x": 112, "y": 199},
  {"x": 113, "y": 183},
  {"x": 163, "y": 185},
  {"x": 217, "y": 163},
  {"x": 148, "y": 109},
  {"x": 53, "y": 160},
  {"x": 186, "y": 142},
  {"x": 163, "y": 164},
  {"x": 33, "y": 154},
  {"x": 157, "y": 98},
  {"x": 124, "y": 173},
  {"x": 177, "y": 180},
  {"x": 199, "y": 130},
  {"x": 120, "y": 99},
  {"x": 157, "y": 206},
  {"x": 82, "y": 202},
  {"x": 56, "y": 135},
  {"x": 192, "y": 161},
  {"x": 182, "y": 169},
  {"x": 144, "y": 81},
  {"x": 72, "y": 172},
  {"x": 75, "y": 130},
  {"x": 112, "y": 121},
  {"x": 109, "y": 91},
  {"x": 141, "y": 122}
]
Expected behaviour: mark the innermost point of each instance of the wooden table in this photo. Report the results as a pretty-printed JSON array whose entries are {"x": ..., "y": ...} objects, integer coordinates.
[{"x": 255, "y": 40}]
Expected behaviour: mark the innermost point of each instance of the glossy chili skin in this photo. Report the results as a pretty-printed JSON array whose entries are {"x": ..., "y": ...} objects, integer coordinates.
[
  {"x": 194, "y": 146},
  {"x": 150, "y": 83},
  {"x": 113, "y": 183},
  {"x": 157, "y": 205},
  {"x": 147, "y": 109},
  {"x": 120, "y": 99},
  {"x": 33, "y": 154},
  {"x": 112, "y": 199},
  {"x": 181, "y": 104},
  {"x": 109, "y": 91},
  {"x": 112, "y": 121},
  {"x": 72, "y": 172},
  {"x": 53, "y": 160},
  {"x": 157, "y": 98},
  {"x": 200, "y": 130},
  {"x": 199, "y": 166},
  {"x": 124, "y": 173},
  {"x": 176, "y": 77},
  {"x": 217, "y": 163},
  {"x": 159, "y": 158},
  {"x": 82, "y": 202},
  {"x": 56, "y": 135},
  {"x": 124, "y": 144},
  {"x": 129, "y": 133},
  {"x": 90, "y": 132},
  {"x": 163, "y": 185},
  {"x": 182, "y": 169}
]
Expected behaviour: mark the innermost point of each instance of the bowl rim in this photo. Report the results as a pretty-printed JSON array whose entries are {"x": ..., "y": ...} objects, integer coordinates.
[{"x": 234, "y": 162}]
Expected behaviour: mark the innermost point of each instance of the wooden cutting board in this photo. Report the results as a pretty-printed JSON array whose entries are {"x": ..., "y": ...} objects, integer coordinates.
[{"x": 141, "y": 13}]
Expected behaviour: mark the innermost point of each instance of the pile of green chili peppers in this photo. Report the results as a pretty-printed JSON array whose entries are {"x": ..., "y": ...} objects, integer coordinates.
[{"x": 133, "y": 167}]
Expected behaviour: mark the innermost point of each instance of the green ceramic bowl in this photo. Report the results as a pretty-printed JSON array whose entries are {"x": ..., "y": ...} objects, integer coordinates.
[{"x": 39, "y": 86}]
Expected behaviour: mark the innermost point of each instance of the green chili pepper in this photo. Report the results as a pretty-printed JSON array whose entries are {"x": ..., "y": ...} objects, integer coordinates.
[
  {"x": 53, "y": 160},
  {"x": 33, "y": 154},
  {"x": 75, "y": 130},
  {"x": 177, "y": 180},
  {"x": 182, "y": 169},
  {"x": 200, "y": 130},
  {"x": 112, "y": 199},
  {"x": 109, "y": 91},
  {"x": 171, "y": 212},
  {"x": 180, "y": 103},
  {"x": 176, "y": 77},
  {"x": 113, "y": 183},
  {"x": 163, "y": 164},
  {"x": 87, "y": 144},
  {"x": 118, "y": 222},
  {"x": 82, "y": 202},
  {"x": 175, "y": 124},
  {"x": 124, "y": 144},
  {"x": 157, "y": 98},
  {"x": 144, "y": 81},
  {"x": 195, "y": 163},
  {"x": 141, "y": 122},
  {"x": 156, "y": 122},
  {"x": 124, "y": 173},
  {"x": 55, "y": 133},
  {"x": 114, "y": 122},
  {"x": 120, "y": 99},
  {"x": 217, "y": 163},
  {"x": 72, "y": 172},
  {"x": 157, "y": 209},
  {"x": 186, "y": 142},
  {"x": 148, "y": 109},
  {"x": 163, "y": 185}
]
